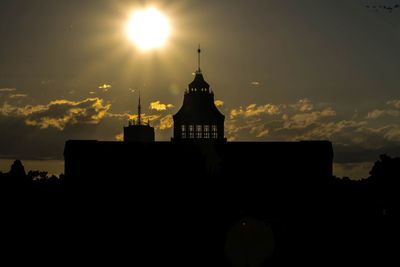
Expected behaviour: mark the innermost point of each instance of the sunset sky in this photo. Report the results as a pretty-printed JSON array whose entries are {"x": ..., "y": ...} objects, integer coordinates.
[{"x": 280, "y": 69}]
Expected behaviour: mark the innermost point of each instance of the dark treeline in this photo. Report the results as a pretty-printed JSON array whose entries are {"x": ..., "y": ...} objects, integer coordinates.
[{"x": 337, "y": 221}]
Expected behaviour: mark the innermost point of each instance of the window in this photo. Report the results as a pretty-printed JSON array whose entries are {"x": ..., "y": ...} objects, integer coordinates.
[
  {"x": 214, "y": 132},
  {"x": 199, "y": 131},
  {"x": 191, "y": 131},
  {"x": 206, "y": 131},
  {"x": 183, "y": 133}
]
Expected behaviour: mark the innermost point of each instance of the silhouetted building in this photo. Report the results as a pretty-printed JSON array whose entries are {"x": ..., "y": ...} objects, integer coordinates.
[
  {"x": 199, "y": 118},
  {"x": 136, "y": 131},
  {"x": 195, "y": 189}
]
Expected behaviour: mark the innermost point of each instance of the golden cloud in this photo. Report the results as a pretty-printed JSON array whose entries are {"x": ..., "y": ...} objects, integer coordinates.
[
  {"x": 159, "y": 106},
  {"x": 219, "y": 103},
  {"x": 166, "y": 122},
  {"x": 119, "y": 137},
  {"x": 59, "y": 113},
  {"x": 105, "y": 87},
  {"x": 134, "y": 117},
  {"x": 263, "y": 133},
  {"x": 254, "y": 110},
  {"x": 304, "y": 105}
]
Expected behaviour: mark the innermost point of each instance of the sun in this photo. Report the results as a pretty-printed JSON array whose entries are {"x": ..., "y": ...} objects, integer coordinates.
[{"x": 148, "y": 28}]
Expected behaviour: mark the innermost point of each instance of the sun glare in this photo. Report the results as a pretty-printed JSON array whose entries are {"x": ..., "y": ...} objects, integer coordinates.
[{"x": 148, "y": 28}]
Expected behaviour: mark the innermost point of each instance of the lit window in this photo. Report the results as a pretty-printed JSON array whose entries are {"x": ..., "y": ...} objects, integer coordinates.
[
  {"x": 199, "y": 131},
  {"x": 191, "y": 131},
  {"x": 214, "y": 132},
  {"x": 183, "y": 127},
  {"x": 206, "y": 131}
]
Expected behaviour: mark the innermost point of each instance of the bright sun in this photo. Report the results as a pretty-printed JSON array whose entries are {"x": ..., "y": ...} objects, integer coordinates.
[{"x": 148, "y": 28}]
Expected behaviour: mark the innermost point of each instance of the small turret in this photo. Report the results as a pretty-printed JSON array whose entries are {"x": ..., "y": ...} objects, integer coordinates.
[{"x": 138, "y": 132}]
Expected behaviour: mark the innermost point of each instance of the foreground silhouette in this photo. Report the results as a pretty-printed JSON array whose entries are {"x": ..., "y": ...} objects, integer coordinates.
[{"x": 199, "y": 222}]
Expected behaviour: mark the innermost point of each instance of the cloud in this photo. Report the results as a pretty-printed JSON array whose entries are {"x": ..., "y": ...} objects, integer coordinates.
[
  {"x": 358, "y": 170},
  {"x": 219, "y": 103},
  {"x": 392, "y": 109},
  {"x": 105, "y": 87},
  {"x": 303, "y": 105},
  {"x": 133, "y": 117},
  {"x": 59, "y": 113},
  {"x": 262, "y": 133},
  {"x": 305, "y": 120},
  {"x": 17, "y": 95},
  {"x": 7, "y": 89},
  {"x": 166, "y": 122},
  {"x": 302, "y": 120},
  {"x": 394, "y": 103},
  {"x": 378, "y": 113},
  {"x": 159, "y": 106},
  {"x": 119, "y": 137},
  {"x": 253, "y": 110}
]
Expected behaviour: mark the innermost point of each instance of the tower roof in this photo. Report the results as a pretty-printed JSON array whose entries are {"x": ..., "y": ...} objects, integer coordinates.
[
  {"x": 199, "y": 82},
  {"x": 198, "y": 103}
]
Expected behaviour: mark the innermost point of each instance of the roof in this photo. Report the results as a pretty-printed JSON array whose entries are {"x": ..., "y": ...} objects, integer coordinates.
[{"x": 198, "y": 106}]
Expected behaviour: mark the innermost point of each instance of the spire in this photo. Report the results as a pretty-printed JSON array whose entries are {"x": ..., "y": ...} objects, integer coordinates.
[
  {"x": 139, "y": 112},
  {"x": 198, "y": 59}
]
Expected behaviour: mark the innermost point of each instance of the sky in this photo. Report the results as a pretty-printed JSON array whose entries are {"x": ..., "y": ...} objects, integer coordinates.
[{"x": 280, "y": 70}]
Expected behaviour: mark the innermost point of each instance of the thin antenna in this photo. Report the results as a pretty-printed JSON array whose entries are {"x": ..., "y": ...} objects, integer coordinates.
[
  {"x": 139, "y": 111},
  {"x": 198, "y": 58}
]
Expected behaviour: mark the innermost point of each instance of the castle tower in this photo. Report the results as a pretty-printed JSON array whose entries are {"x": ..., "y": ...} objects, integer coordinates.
[
  {"x": 199, "y": 118},
  {"x": 136, "y": 131}
]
